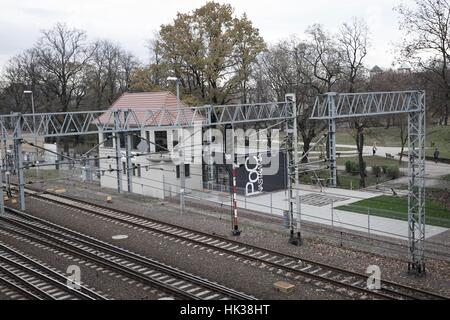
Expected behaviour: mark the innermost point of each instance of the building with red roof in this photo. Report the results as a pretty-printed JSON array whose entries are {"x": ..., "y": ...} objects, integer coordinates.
[{"x": 154, "y": 164}]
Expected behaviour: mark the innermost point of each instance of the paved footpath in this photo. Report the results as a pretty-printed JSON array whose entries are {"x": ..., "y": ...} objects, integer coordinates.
[{"x": 317, "y": 207}]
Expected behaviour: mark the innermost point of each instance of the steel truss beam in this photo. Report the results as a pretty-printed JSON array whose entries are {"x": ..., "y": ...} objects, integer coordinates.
[
  {"x": 333, "y": 106},
  {"x": 366, "y": 104},
  {"x": 93, "y": 122},
  {"x": 129, "y": 121}
]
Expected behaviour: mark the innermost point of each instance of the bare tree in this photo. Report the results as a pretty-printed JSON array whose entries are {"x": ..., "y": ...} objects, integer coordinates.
[
  {"x": 426, "y": 43},
  {"x": 102, "y": 73},
  {"x": 322, "y": 54},
  {"x": 353, "y": 46},
  {"x": 63, "y": 54},
  {"x": 23, "y": 72},
  {"x": 127, "y": 64}
]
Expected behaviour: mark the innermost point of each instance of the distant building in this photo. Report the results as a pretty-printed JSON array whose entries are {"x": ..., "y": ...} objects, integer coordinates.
[
  {"x": 375, "y": 71},
  {"x": 154, "y": 174},
  {"x": 404, "y": 68}
]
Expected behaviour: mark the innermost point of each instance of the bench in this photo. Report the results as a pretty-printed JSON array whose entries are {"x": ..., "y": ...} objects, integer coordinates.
[{"x": 389, "y": 156}]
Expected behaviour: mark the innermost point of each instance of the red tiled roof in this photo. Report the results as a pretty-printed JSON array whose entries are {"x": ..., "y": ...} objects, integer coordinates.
[
  {"x": 142, "y": 102},
  {"x": 146, "y": 100}
]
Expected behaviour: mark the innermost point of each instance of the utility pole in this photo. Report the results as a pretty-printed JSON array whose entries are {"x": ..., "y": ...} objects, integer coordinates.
[
  {"x": 180, "y": 148},
  {"x": 118, "y": 154},
  {"x": 293, "y": 173},
  {"x": 130, "y": 169},
  {"x": 332, "y": 136},
  {"x": 235, "y": 227},
  {"x": 19, "y": 159},
  {"x": 36, "y": 160}
]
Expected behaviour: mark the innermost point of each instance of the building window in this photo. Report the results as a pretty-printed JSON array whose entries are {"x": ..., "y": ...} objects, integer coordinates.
[
  {"x": 161, "y": 141},
  {"x": 175, "y": 137},
  {"x": 135, "y": 140},
  {"x": 187, "y": 171},
  {"x": 122, "y": 140},
  {"x": 139, "y": 170},
  {"x": 147, "y": 137},
  {"x": 108, "y": 140}
]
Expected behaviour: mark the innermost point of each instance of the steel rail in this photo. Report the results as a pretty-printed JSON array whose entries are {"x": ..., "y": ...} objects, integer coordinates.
[
  {"x": 71, "y": 235},
  {"x": 47, "y": 274},
  {"x": 389, "y": 290}
]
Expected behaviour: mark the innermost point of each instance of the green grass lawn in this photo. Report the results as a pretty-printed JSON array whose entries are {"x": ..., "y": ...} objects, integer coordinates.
[
  {"x": 391, "y": 138},
  {"x": 436, "y": 213},
  {"x": 352, "y": 182},
  {"x": 370, "y": 161},
  {"x": 447, "y": 177},
  {"x": 345, "y": 180}
]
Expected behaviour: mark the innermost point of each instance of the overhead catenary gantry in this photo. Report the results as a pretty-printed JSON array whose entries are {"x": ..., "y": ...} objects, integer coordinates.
[
  {"x": 332, "y": 107},
  {"x": 131, "y": 121},
  {"x": 329, "y": 107}
]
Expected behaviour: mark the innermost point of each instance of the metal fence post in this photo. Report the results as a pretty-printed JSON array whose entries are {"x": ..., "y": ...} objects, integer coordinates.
[
  {"x": 332, "y": 214},
  {"x": 245, "y": 200},
  {"x": 271, "y": 206}
]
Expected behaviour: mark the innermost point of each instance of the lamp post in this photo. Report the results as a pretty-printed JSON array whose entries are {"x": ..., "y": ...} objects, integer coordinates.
[
  {"x": 180, "y": 147},
  {"x": 35, "y": 131}
]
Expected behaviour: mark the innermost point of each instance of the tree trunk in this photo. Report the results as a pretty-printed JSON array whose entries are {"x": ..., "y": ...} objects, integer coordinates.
[
  {"x": 401, "y": 154},
  {"x": 446, "y": 114},
  {"x": 360, "y": 147},
  {"x": 306, "y": 147}
]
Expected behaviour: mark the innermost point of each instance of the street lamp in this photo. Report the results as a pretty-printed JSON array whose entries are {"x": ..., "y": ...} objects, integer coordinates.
[
  {"x": 34, "y": 126},
  {"x": 177, "y": 81},
  {"x": 180, "y": 147}
]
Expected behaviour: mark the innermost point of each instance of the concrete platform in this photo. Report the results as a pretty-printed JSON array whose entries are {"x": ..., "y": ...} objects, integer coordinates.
[{"x": 317, "y": 207}]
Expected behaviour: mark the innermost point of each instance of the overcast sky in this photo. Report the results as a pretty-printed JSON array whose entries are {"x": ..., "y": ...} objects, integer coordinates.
[{"x": 133, "y": 22}]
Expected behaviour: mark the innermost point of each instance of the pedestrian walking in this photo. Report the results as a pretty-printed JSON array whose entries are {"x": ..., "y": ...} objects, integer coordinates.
[
  {"x": 374, "y": 150},
  {"x": 436, "y": 155}
]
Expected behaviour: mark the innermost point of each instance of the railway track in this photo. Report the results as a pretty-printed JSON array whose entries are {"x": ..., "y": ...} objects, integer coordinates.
[
  {"x": 174, "y": 282},
  {"x": 26, "y": 278},
  {"x": 291, "y": 266}
]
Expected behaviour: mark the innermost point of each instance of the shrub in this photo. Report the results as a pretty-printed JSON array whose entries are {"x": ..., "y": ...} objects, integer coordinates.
[
  {"x": 393, "y": 172},
  {"x": 348, "y": 166},
  {"x": 355, "y": 169},
  {"x": 385, "y": 169},
  {"x": 376, "y": 170}
]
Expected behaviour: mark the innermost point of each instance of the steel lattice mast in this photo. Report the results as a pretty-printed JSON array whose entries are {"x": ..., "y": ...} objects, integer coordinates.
[{"x": 332, "y": 106}]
